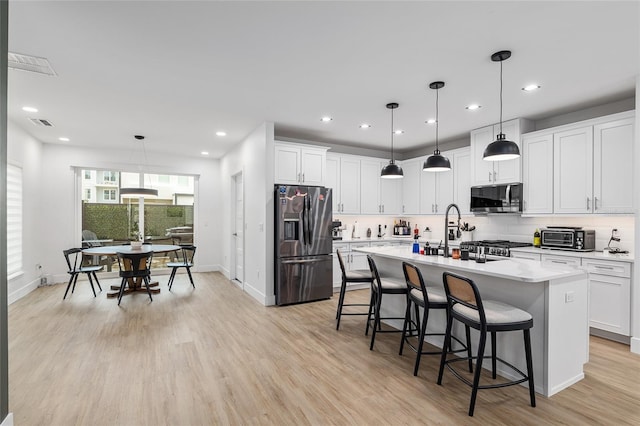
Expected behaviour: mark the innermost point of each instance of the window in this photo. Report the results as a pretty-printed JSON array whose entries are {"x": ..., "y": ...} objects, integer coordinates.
[
  {"x": 183, "y": 180},
  {"x": 87, "y": 194},
  {"x": 109, "y": 176},
  {"x": 163, "y": 179},
  {"x": 14, "y": 221},
  {"x": 87, "y": 174},
  {"x": 109, "y": 194}
]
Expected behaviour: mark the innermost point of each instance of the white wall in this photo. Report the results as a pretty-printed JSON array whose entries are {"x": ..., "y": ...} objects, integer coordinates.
[
  {"x": 254, "y": 157},
  {"x": 635, "y": 285},
  {"x": 26, "y": 152},
  {"x": 60, "y": 220}
]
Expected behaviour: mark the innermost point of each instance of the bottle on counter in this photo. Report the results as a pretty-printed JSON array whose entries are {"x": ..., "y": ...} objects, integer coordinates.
[
  {"x": 536, "y": 238},
  {"x": 416, "y": 233}
]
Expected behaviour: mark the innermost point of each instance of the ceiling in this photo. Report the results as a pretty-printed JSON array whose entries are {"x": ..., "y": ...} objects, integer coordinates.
[{"x": 179, "y": 71}]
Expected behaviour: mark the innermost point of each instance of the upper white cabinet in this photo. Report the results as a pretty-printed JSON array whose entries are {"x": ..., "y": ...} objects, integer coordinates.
[
  {"x": 411, "y": 186},
  {"x": 537, "y": 174},
  {"x": 461, "y": 163},
  {"x": 581, "y": 168},
  {"x": 436, "y": 190},
  {"x": 573, "y": 170},
  {"x": 613, "y": 166},
  {"x": 490, "y": 172},
  {"x": 297, "y": 164},
  {"x": 378, "y": 196},
  {"x": 343, "y": 176}
]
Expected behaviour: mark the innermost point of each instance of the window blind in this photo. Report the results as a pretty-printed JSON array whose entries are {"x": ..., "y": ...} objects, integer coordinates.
[{"x": 14, "y": 221}]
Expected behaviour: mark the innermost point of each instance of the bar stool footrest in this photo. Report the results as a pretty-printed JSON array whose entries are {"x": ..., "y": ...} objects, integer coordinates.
[{"x": 464, "y": 380}]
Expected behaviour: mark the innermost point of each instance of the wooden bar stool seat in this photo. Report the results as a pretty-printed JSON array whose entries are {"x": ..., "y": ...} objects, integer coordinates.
[{"x": 353, "y": 276}]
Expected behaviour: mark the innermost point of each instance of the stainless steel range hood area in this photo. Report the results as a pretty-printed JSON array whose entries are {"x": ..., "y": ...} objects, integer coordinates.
[{"x": 496, "y": 199}]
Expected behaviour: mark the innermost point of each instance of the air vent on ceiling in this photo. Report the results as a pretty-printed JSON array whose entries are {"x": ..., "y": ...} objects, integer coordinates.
[
  {"x": 41, "y": 122},
  {"x": 35, "y": 64}
]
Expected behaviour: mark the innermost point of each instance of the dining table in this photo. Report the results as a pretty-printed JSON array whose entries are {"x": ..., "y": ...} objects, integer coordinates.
[{"x": 135, "y": 285}]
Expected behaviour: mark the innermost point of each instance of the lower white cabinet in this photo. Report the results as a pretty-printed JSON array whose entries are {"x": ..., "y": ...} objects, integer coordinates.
[
  {"x": 521, "y": 255},
  {"x": 609, "y": 295},
  {"x": 609, "y": 291},
  {"x": 352, "y": 260}
]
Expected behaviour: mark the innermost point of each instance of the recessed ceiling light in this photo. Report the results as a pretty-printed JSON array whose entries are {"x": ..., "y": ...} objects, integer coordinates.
[
  {"x": 63, "y": 139},
  {"x": 326, "y": 119},
  {"x": 365, "y": 126},
  {"x": 473, "y": 107},
  {"x": 29, "y": 109},
  {"x": 531, "y": 88},
  {"x": 431, "y": 121},
  {"x": 221, "y": 133},
  {"x": 205, "y": 153},
  {"x": 399, "y": 132}
]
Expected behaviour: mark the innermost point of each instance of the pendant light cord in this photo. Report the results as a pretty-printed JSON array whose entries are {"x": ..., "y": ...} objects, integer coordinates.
[
  {"x": 437, "y": 119},
  {"x": 392, "y": 131},
  {"x": 501, "y": 96}
]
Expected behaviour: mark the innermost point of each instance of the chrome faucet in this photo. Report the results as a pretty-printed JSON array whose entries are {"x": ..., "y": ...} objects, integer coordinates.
[{"x": 446, "y": 227}]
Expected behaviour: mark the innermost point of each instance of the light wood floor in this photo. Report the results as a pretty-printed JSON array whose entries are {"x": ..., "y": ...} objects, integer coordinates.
[{"x": 213, "y": 355}]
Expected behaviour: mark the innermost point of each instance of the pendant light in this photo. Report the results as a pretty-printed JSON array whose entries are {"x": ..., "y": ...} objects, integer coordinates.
[
  {"x": 437, "y": 162},
  {"x": 140, "y": 192},
  {"x": 392, "y": 170},
  {"x": 501, "y": 149}
]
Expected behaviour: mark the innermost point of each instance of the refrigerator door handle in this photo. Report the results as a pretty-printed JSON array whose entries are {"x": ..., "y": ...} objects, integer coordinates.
[
  {"x": 309, "y": 225},
  {"x": 303, "y": 261}
]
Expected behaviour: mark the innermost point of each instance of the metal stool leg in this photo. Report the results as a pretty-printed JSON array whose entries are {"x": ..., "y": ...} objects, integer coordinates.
[
  {"x": 527, "y": 350},
  {"x": 476, "y": 376}
]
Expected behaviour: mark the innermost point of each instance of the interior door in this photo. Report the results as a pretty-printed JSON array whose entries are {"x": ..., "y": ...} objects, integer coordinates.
[{"x": 238, "y": 233}]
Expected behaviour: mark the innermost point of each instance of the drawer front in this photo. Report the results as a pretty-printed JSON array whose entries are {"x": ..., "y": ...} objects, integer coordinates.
[
  {"x": 343, "y": 247},
  {"x": 606, "y": 267},
  {"x": 530, "y": 256},
  {"x": 561, "y": 260}
]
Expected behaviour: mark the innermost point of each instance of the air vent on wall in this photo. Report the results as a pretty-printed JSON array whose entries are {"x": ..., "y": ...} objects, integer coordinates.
[
  {"x": 41, "y": 122},
  {"x": 35, "y": 64}
]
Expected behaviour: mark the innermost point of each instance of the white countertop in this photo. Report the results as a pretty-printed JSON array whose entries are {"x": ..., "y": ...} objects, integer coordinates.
[
  {"x": 406, "y": 239},
  {"x": 524, "y": 270},
  {"x": 582, "y": 254}
]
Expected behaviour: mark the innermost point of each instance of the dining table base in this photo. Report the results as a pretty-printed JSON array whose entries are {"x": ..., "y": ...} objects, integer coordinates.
[{"x": 154, "y": 288}]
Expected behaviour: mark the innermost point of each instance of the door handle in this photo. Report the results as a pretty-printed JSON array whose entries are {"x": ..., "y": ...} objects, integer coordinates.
[
  {"x": 595, "y": 203},
  {"x": 588, "y": 204},
  {"x": 235, "y": 234},
  {"x": 494, "y": 176},
  {"x": 489, "y": 176},
  {"x": 303, "y": 177}
]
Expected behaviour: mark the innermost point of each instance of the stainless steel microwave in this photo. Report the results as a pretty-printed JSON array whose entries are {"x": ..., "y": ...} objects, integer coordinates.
[
  {"x": 496, "y": 198},
  {"x": 574, "y": 239}
]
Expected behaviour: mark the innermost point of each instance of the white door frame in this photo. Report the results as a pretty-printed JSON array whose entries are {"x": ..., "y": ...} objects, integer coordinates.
[{"x": 233, "y": 238}]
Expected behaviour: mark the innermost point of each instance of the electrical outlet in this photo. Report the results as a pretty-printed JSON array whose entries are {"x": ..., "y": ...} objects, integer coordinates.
[
  {"x": 568, "y": 297},
  {"x": 43, "y": 280}
]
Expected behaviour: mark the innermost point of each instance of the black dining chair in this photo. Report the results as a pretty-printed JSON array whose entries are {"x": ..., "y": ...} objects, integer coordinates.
[
  {"x": 135, "y": 266},
  {"x": 183, "y": 260},
  {"x": 76, "y": 268}
]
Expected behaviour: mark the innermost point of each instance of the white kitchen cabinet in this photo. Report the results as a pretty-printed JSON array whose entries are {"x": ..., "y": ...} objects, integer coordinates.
[
  {"x": 573, "y": 170},
  {"x": 378, "y": 196},
  {"x": 490, "y": 172},
  {"x": 297, "y": 164},
  {"x": 370, "y": 186},
  {"x": 436, "y": 190},
  {"x": 613, "y": 145},
  {"x": 343, "y": 176},
  {"x": 537, "y": 174},
  {"x": 609, "y": 295},
  {"x": 411, "y": 186},
  {"x": 461, "y": 163}
]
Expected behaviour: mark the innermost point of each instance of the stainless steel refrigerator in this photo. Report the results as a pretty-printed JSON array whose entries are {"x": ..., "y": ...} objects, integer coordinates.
[{"x": 303, "y": 244}]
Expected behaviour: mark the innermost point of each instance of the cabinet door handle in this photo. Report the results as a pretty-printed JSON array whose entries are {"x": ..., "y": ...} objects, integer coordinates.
[
  {"x": 559, "y": 261},
  {"x": 302, "y": 177},
  {"x": 383, "y": 208},
  {"x": 489, "y": 176},
  {"x": 494, "y": 176},
  {"x": 403, "y": 208},
  {"x": 588, "y": 203},
  {"x": 436, "y": 208},
  {"x": 609, "y": 268},
  {"x": 595, "y": 203}
]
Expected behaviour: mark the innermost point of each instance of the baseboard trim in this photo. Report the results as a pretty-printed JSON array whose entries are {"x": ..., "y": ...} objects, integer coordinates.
[
  {"x": 8, "y": 421},
  {"x": 23, "y": 291},
  {"x": 635, "y": 345}
]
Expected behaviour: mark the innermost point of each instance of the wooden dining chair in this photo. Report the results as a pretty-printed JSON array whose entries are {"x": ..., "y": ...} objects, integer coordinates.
[
  {"x": 134, "y": 266},
  {"x": 76, "y": 268},
  {"x": 183, "y": 260}
]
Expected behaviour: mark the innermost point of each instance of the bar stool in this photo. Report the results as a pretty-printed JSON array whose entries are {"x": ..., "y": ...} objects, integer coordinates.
[
  {"x": 378, "y": 288},
  {"x": 354, "y": 276},
  {"x": 465, "y": 305},
  {"x": 427, "y": 298}
]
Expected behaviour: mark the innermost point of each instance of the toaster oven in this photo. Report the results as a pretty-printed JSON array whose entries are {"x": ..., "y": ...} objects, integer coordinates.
[{"x": 575, "y": 239}]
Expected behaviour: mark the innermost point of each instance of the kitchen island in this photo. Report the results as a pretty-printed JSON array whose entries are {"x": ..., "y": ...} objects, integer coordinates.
[{"x": 556, "y": 297}]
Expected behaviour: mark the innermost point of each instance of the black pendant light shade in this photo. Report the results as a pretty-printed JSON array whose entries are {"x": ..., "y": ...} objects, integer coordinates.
[
  {"x": 392, "y": 170},
  {"x": 501, "y": 149},
  {"x": 140, "y": 191},
  {"x": 436, "y": 162}
]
